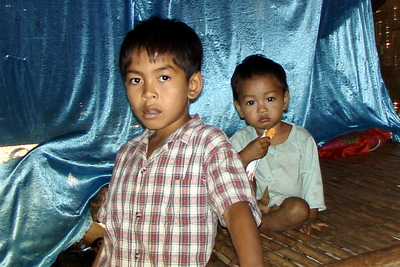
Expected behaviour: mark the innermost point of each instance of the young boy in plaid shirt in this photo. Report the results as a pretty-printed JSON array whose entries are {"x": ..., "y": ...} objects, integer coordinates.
[{"x": 172, "y": 183}]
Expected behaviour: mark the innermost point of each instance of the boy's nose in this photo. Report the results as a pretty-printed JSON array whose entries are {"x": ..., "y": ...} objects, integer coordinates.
[
  {"x": 262, "y": 108},
  {"x": 149, "y": 92}
]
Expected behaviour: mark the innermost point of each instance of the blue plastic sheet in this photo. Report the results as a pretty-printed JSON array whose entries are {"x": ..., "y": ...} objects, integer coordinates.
[{"x": 60, "y": 87}]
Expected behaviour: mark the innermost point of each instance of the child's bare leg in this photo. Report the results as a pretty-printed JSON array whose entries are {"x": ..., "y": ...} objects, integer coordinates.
[
  {"x": 263, "y": 202},
  {"x": 292, "y": 213}
]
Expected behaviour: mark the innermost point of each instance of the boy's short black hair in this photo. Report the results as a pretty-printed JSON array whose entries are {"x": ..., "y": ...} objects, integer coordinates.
[
  {"x": 160, "y": 37},
  {"x": 257, "y": 65}
]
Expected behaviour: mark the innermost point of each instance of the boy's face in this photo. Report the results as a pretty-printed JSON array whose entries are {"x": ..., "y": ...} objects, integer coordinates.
[
  {"x": 261, "y": 102},
  {"x": 159, "y": 92}
]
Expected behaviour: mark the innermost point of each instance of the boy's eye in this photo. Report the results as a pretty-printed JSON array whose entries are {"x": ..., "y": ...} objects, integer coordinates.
[
  {"x": 164, "y": 78},
  {"x": 249, "y": 103},
  {"x": 134, "y": 81},
  {"x": 269, "y": 99}
]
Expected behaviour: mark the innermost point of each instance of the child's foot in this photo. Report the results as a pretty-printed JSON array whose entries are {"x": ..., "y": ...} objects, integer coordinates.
[{"x": 263, "y": 208}]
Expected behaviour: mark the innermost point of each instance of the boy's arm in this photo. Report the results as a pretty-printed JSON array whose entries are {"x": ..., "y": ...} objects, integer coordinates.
[
  {"x": 244, "y": 234},
  {"x": 245, "y": 157},
  {"x": 96, "y": 260}
]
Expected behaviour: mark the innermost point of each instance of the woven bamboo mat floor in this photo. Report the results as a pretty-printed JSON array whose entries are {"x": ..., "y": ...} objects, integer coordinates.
[{"x": 362, "y": 195}]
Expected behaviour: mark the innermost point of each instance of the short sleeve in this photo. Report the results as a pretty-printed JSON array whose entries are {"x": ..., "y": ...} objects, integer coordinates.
[{"x": 227, "y": 181}]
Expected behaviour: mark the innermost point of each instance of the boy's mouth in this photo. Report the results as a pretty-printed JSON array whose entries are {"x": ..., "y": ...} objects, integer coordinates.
[
  {"x": 264, "y": 119},
  {"x": 151, "y": 113}
]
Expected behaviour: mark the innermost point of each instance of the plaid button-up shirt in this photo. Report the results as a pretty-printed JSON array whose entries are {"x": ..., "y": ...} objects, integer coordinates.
[{"x": 164, "y": 210}]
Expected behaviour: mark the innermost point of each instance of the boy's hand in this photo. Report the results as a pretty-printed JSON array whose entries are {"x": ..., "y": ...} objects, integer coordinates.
[
  {"x": 256, "y": 149},
  {"x": 310, "y": 224}
]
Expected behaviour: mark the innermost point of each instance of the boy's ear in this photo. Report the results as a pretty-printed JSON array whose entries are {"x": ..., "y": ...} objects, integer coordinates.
[
  {"x": 195, "y": 85},
  {"x": 238, "y": 108},
  {"x": 286, "y": 99}
]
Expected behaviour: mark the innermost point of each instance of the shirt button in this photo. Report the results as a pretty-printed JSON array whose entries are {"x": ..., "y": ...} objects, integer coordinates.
[
  {"x": 138, "y": 215},
  {"x": 137, "y": 255},
  {"x": 143, "y": 171}
]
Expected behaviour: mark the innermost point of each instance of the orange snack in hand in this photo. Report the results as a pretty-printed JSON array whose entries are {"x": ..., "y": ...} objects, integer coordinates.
[{"x": 270, "y": 133}]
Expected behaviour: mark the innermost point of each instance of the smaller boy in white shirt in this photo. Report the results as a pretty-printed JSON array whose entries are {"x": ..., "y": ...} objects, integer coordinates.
[{"x": 288, "y": 181}]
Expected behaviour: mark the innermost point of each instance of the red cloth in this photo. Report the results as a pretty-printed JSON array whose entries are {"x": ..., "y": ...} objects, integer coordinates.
[{"x": 356, "y": 143}]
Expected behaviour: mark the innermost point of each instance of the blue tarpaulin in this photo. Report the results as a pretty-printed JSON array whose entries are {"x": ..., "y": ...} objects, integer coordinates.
[{"x": 60, "y": 88}]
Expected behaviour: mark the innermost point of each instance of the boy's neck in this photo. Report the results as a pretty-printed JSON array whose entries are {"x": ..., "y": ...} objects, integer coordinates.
[
  {"x": 158, "y": 138},
  {"x": 153, "y": 144},
  {"x": 282, "y": 133}
]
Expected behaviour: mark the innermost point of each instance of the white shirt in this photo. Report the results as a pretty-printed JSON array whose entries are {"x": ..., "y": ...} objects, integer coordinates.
[{"x": 289, "y": 169}]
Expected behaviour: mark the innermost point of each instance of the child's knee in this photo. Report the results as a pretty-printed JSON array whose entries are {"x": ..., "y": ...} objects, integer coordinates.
[{"x": 299, "y": 208}]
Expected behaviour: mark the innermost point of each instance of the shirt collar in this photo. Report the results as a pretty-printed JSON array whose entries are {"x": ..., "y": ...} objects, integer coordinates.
[{"x": 182, "y": 134}]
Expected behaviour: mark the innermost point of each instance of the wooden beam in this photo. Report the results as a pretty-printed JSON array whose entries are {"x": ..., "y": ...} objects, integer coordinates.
[{"x": 384, "y": 257}]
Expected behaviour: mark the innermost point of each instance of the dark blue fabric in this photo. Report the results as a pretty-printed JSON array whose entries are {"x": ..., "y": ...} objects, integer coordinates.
[{"x": 60, "y": 87}]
